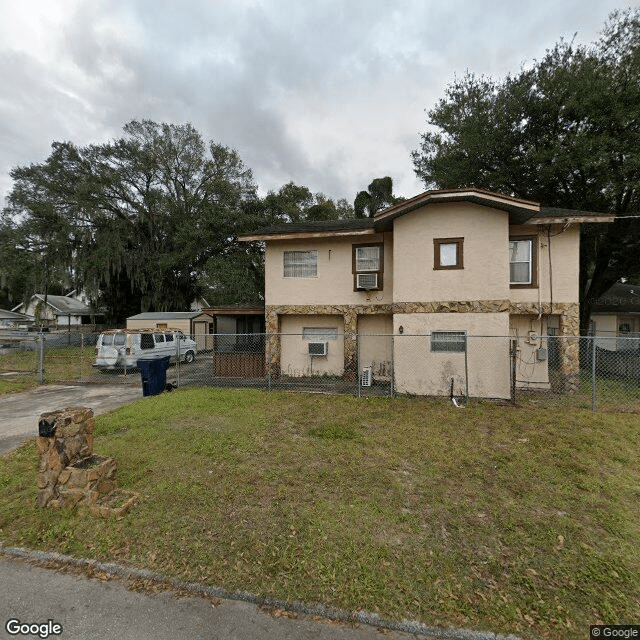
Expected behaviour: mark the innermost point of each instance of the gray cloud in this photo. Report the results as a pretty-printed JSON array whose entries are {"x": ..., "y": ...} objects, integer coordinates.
[{"x": 327, "y": 94}]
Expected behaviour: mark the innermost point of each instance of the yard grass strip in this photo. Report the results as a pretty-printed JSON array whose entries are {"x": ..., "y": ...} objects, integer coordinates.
[{"x": 514, "y": 520}]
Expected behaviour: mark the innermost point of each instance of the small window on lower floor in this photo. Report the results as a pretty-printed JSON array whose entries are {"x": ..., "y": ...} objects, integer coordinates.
[
  {"x": 318, "y": 334},
  {"x": 449, "y": 341}
]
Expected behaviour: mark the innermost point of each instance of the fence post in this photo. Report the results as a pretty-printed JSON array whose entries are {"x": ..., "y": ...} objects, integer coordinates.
[
  {"x": 41, "y": 359},
  {"x": 513, "y": 356},
  {"x": 593, "y": 373},
  {"x": 393, "y": 362},
  {"x": 466, "y": 367},
  {"x": 179, "y": 359},
  {"x": 358, "y": 364},
  {"x": 81, "y": 356}
]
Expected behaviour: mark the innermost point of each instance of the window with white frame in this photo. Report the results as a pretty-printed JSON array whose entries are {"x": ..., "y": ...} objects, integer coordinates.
[
  {"x": 300, "y": 264},
  {"x": 447, "y": 253},
  {"x": 522, "y": 262},
  {"x": 455, "y": 341},
  {"x": 367, "y": 266},
  {"x": 368, "y": 258}
]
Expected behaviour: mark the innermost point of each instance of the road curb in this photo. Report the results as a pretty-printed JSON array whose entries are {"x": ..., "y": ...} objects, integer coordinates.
[{"x": 319, "y": 610}]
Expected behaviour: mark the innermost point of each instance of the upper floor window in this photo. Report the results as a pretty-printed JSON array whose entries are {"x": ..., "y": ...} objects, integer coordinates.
[
  {"x": 367, "y": 266},
  {"x": 523, "y": 261},
  {"x": 447, "y": 253},
  {"x": 300, "y": 264}
]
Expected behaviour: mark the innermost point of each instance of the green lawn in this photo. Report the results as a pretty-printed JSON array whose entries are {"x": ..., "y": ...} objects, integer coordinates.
[
  {"x": 516, "y": 520},
  {"x": 62, "y": 364}
]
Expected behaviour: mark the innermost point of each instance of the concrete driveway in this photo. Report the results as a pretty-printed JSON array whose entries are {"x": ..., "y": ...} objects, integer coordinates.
[{"x": 19, "y": 412}]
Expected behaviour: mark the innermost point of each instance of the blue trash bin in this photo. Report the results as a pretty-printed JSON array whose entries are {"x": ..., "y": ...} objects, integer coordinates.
[{"x": 154, "y": 375}]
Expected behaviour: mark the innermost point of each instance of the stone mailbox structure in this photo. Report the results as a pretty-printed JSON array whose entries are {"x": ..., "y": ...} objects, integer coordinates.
[{"x": 69, "y": 473}]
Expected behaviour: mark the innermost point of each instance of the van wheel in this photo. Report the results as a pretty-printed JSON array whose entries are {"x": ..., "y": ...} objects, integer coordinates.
[{"x": 189, "y": 357}]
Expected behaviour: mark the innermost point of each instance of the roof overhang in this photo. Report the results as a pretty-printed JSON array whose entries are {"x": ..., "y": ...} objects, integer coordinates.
[
  {"x": 550, "y": 215},
  {"x": 303, "y": 234},
  {"x": 519, "y": 210}
]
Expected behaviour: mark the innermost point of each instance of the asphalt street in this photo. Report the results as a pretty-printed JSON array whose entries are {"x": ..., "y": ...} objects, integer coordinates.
[
  {"x": 19, "y": 412},
  {"x": 86, "y": 608}
]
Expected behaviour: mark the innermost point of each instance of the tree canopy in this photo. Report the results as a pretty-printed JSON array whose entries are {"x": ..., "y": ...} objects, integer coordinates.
[
  {"x": 565, "y": 132},
  {"x": 145, "y": 222},
  {"x": 379, "y": 194}
]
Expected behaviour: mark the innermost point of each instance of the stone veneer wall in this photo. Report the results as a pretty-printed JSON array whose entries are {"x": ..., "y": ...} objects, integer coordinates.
[
  {"x": 569, "y": 313},
  {"x": 69, "y": 473}
]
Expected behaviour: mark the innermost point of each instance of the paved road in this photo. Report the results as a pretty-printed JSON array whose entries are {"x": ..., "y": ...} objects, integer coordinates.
[
  {"x": 90, "y": 608},
  {"x": 19, "y": 412}
]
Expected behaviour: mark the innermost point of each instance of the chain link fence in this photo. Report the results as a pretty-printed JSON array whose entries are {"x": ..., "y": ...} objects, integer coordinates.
[{"x": 599, "y": 372}]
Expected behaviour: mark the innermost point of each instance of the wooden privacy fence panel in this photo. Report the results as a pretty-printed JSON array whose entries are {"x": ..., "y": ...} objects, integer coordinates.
[{"x": 238, "y": 365}]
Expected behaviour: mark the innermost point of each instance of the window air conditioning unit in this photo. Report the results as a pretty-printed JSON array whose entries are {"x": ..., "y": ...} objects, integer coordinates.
[
  {"x": 366, "y": 281},
  {"x": 318, "y": 348},
  {"x": 366, "y": 377}
]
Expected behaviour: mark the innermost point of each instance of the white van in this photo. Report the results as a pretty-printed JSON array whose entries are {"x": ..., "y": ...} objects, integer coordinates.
[{"x": 122, "y": 348}]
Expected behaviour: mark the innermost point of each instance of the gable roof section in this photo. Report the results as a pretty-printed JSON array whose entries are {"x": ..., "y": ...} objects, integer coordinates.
[
  {"x": 519, "y": 210},
  {"x": 12, "y": 315},
  {"x": 619, "y": 298},
  {"x": 66, "y": 306}
]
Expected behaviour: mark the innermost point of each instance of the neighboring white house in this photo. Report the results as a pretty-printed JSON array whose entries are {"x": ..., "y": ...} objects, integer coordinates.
[
  {"x": 182, "y": 320},
  {"x": 59, "y": 311},
  {"x": 11, "y": 319},
  {"x": 615, "y": 316}
]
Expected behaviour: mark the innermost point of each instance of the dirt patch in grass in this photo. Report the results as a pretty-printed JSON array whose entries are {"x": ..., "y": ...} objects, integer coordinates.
[{"x": 516, "y": 520}]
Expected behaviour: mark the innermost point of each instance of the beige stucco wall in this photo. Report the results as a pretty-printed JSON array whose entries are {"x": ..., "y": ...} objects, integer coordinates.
[
  {"x": 418, "y": 370},
  {"x": 606, "y": 330},
  {"x": 295, "y": 360},
  {"x": 530, "y": 372},
  {"x": 334, "y": 282},
  {"x": 485, "y": 254},
  {"x": 182, "y": 325},
  {"x": 375, "y": 345},
  {"x": 565, "y": 265}
]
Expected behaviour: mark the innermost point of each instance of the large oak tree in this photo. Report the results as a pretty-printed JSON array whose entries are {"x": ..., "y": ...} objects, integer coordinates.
[
  {"x": 136, "y": 222},
  {"x": 564, "y": 131}
]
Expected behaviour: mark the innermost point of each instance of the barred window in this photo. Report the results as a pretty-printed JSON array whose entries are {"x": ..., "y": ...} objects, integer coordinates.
[
  {"x": 300, "y": 264},
  {"x": 319, "y": 334},
  {"x": 449, "y": 341}
]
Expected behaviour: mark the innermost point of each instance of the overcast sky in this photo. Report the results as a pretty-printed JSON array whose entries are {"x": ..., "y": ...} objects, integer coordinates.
[{"x": 327, "y": 94}]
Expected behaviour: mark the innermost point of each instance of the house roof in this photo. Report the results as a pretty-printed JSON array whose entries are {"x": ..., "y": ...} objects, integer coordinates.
[
  {"x": 317, "y": 228},
  {"x": 12, "y": 315},
  {"x": 64, "y": 305},
  {"x": 550, "y": 215},
  {"x": 254, "y": 309},
  {"x": 166, "y": 315},
  {"x": 520, "y": 212},
  {"x": 620, "y": 298}
]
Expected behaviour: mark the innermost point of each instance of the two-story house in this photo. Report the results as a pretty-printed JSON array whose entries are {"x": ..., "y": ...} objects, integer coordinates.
[{"x": 427, "y": 273}]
